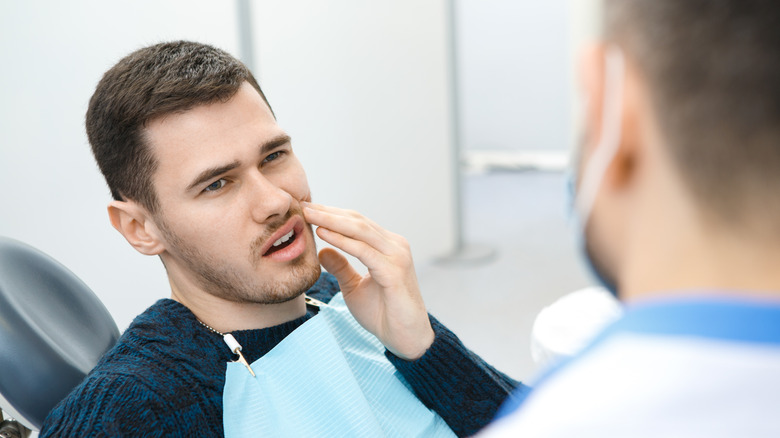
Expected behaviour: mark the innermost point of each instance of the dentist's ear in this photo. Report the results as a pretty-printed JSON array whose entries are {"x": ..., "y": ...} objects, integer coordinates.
[
  {"x": 609, "y": 85},
  {"x": 134, "y": 223}
]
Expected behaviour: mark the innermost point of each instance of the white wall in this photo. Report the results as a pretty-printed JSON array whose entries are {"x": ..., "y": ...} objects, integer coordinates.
[
  {"x": 362, "y": 91},
  {"x": 513, "y": 73},
  {"x": 53, "y": 55}
]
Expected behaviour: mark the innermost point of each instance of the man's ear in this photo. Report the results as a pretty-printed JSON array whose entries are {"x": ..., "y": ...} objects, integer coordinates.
[{"x": 135, "y": 223}]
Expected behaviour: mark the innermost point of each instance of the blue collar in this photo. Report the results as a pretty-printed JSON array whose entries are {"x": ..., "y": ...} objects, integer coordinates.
[{"x": 717, "y": 318}]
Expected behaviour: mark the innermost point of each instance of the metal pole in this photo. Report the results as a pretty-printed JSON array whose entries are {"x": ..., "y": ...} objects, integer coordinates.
[
  {"x": 245, "y": 41},
  {"x": 462, "y": 253},
  {"x": 455, "y": 125}
]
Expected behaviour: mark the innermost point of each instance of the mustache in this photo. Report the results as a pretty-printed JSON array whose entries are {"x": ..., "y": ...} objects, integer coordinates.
[{"x": 273, "y": 227}]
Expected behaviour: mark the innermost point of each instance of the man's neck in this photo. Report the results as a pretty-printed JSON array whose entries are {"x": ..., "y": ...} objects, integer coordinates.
[{"x": 228, "y": 316}]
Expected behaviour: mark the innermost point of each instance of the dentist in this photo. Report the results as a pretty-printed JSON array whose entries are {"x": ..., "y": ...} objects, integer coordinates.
[{"x": 677, "y": 193}]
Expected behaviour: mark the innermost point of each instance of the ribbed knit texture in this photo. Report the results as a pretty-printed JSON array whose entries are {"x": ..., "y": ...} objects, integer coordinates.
[
  {"x": 456, "y": 383},
  {"x": 165, "y": 378}
]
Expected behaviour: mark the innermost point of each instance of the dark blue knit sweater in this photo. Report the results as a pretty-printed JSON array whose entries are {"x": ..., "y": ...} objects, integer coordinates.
[{"x": 166, "y": 375}]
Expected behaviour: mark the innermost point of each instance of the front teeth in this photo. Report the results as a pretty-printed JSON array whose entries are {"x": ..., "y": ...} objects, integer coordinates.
[{"x": 284, "y": 238}]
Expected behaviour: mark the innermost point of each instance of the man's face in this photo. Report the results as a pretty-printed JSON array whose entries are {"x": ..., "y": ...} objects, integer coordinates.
[{"x": 229, "y": 189}]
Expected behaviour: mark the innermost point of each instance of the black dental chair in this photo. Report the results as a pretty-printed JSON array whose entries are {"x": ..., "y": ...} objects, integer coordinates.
[{"x": 53, "y": 330}]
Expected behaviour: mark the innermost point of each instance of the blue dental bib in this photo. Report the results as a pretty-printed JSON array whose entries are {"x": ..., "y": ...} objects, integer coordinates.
[{"x": 329, "y": 377}]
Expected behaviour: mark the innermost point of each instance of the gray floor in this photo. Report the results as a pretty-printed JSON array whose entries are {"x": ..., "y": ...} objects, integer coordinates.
[{"x": 523, "y": 217}]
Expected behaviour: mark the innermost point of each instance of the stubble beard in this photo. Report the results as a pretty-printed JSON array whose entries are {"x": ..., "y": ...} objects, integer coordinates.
[{"x": 221, "y": 279}]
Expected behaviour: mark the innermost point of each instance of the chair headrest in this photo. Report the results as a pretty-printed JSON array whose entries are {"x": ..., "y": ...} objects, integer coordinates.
[{"x": 53, "y": 330}]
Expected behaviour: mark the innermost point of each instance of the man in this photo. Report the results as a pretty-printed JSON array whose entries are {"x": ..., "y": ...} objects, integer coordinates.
[
  {"x": 203, "y": 177},
  {"x": 678, "y": 188}
]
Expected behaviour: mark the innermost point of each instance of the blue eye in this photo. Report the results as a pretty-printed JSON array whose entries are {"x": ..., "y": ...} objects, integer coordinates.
[
  {"x": 273, "y": 156},
  {"x": 216, "y": 185}
]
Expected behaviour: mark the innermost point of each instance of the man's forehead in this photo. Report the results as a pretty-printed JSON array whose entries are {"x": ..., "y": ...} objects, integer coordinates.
[{"x": 211, "y": 134}]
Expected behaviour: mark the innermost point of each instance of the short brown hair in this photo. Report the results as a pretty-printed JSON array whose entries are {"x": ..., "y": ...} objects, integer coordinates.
[
  {"x": 149, "y": 83},
  {"x": 713, "y": 71}
]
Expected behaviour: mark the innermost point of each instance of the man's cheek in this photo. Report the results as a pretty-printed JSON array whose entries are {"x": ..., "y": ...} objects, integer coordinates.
[{"x": 298, "y": 186}]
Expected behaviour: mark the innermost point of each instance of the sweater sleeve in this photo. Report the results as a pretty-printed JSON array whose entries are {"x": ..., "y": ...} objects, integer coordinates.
[
  {"x": 456, "y": 383},
  {"x": 108, "y": 407}
]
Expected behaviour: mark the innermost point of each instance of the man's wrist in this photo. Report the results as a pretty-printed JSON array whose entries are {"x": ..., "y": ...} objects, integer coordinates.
[{"x": 417, "y": 351}]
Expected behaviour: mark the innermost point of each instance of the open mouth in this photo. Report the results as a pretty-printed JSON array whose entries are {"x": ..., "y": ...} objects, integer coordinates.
[
  {"x": 287, "y": 243},
  {"x": 282, "y": 242}
]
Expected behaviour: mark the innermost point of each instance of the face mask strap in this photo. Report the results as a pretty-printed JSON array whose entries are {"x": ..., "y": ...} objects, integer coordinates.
[{"x": 608, "y": 144}]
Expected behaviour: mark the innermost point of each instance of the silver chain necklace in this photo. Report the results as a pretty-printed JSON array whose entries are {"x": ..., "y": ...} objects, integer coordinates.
[
  {"x": 210, "y": 328},
  {"x": 235, "y": 347},
  {"x": 309, "y": 302}
]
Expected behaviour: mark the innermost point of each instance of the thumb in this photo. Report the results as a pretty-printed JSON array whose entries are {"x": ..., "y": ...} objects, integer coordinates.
[{"x": 335, "y": 263}]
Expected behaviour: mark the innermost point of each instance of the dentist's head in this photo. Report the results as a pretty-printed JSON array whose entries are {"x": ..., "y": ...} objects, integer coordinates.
[{"x": 679, "y": 166}]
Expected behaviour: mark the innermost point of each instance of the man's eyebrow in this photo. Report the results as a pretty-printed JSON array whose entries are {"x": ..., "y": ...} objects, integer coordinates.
[
  {"x": 212, "y": 173},
  {"x": 274, "y": 143}
]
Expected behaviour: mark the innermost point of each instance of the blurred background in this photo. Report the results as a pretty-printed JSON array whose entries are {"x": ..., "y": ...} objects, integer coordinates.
[{"x": 446, "y": 121}]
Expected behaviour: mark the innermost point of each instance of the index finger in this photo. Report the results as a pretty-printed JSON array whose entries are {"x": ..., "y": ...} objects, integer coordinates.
[
  {"x": 347, "y": 214},
  {"x": 356, "y": 228}
]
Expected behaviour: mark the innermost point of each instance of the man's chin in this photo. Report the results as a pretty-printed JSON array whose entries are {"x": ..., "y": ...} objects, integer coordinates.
[
  {"x": 281, "y": 299},
  {"x": 299, "y": 279}
]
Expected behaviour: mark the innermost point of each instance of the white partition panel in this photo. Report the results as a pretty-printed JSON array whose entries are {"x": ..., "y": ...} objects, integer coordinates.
[{"x": 363, "y": 89}]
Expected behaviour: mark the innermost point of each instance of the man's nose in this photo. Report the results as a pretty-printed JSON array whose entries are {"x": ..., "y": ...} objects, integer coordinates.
[{"x": 267, "y": 200}]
